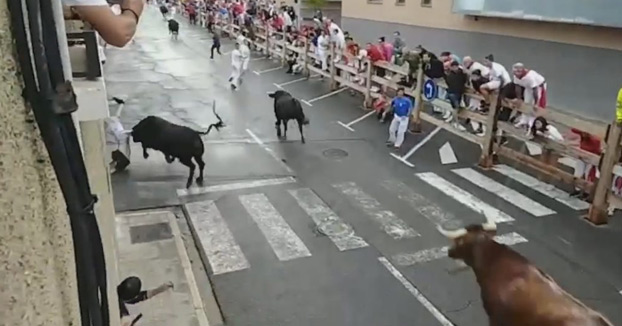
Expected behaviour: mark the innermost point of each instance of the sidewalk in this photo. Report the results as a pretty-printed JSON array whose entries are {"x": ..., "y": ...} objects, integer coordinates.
[{"x": 151, "y": 246}]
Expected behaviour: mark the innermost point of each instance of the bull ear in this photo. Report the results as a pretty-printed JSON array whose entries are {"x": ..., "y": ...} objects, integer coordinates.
[{"x": 271, "y": 94}]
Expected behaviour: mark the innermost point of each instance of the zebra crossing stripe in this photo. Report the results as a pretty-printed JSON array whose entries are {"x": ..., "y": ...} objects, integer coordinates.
[
  {"x": 284, "y": 242},
  {"x": 512, "y": 196},
  {"x": 464, "y": 197},
  {"x": 422, "y": 205},
  {"x": 217, "y": 242},
  {"x": 427, "y": 255},
  {"x": 390, "y": 223},
  {"x": 541, "y": 187},
  {"x": 327, "y": 222}
]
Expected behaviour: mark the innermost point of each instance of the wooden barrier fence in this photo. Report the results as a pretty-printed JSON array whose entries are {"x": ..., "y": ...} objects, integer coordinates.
[{"x": 603, "y": 200}]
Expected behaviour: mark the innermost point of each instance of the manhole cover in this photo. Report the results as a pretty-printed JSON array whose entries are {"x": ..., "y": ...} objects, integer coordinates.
[{"x": 335, "y": 153}]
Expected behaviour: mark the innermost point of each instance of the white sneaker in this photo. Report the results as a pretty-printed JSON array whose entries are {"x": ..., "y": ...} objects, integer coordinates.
[
  {"x": 436, "y": 109},
  {"x": 459, "y": 126},
  {"x": 448, "y": 116}
]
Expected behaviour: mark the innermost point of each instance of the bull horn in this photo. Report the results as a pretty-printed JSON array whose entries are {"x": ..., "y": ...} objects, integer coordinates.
[
  {"x": 489, "y": 226},
  {"x": 452, "y": 234}
]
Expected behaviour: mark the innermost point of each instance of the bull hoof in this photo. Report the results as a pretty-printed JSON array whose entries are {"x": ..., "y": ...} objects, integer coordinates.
[
  {"x": 303, "y": 141},
  {"x": 146, "y": 156},
  {"x": 200, "y": 181},
  {"x": 188, "y": 184}
]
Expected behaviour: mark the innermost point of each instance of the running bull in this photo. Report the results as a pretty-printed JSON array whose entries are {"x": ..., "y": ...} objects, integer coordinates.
[
  {"x": 174, "y": 141},
  {"x": 286, "y": 108},
  {"x": 514, "y": 292}
]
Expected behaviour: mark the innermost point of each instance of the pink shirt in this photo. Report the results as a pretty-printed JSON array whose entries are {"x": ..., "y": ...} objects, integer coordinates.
[{"x": 387, "y": 48}]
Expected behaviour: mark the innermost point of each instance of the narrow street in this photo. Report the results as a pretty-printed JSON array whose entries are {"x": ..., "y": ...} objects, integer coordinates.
[{"x": 336, "y": 231}]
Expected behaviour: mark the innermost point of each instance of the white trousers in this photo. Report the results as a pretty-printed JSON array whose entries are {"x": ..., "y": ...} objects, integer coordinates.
[
  {"x": 397, "y": 129},
  {"x": 235, "y": 75}
]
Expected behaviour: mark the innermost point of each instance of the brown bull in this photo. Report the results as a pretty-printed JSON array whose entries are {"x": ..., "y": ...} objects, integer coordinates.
[{"x": 515, "y": 292}]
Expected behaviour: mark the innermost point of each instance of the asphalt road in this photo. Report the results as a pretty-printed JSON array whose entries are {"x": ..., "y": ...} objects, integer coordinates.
[{"x": 336, "y": 231}]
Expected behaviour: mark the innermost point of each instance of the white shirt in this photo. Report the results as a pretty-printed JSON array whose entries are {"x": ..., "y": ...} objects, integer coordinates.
[
  {"x": 71, "y": 3},
  {"x": 245, "y": 52},
  {"x": 333, "y": 27},
  {"x": 553, "y": 134},
  {"x": 498, "y": 72},
  {"x": 530, "y": 81},
  {"x": 478, "y": 66},
  {"x": 287, "y": 19},
  {"x": 236, "y": 58},
  {"x": 322, "y": 43}
]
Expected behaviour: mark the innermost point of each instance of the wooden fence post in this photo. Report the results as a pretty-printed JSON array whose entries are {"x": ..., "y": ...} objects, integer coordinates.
[
  {"x": 283, "y": 49},
  {"x": 415, "y": 123},
  {"x": 486, "y": 158},
  {"x": 267, "y": 28},
  {"x": 305, "y": 58},
  {"x": 333, "y": 82},
  {"x": 598, "y": 213},
  {"x": 368, "y": 73}
]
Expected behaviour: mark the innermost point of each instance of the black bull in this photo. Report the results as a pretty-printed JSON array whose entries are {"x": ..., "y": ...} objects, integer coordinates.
[
  {"x": 174, "y": 141},
  {"x": 286, "y": 108}
]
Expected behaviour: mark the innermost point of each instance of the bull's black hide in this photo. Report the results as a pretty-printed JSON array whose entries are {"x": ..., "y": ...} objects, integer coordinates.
[
  {"x": 174, "y": 141},
  {"x": 286, "y": 108},
  {"x": 173, "y": 27}
]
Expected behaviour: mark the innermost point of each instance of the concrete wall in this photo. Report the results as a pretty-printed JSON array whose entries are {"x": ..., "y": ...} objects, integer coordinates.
[
  {"x": 37, "y": 268},
  {"x": 582, "y": 64}
]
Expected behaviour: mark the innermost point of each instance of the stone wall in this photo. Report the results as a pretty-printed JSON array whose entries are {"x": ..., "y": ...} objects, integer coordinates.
[{"x": 37, "y": 268}]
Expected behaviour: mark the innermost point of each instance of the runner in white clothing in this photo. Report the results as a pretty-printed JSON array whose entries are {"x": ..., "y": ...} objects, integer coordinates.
[
  {"x": 236, "y": 67},
  {"x": 498, "y": 77},
  {"x": 245, "y": 52},
  {"x": 534, "y": 93}
]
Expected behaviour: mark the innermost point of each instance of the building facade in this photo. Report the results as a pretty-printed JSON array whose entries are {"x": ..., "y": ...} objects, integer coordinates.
[{"x": 582, "y": 64}]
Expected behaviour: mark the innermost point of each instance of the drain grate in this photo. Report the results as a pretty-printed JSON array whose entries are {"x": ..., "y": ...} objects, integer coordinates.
[
  {"x": 335, "y": 153},
  {"x": 150, "y": 233}
]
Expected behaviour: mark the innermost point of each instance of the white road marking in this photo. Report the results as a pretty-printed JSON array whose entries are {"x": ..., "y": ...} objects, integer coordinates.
[
  {"x": 510, "y": 195},
  {"x": 290, "y": 82},
  {"x": 447, "y": 154},
  {"x": 345, "y": 126},
  {"x": 533, "y": 148},
  {"x": 306, "y": 102},
  {"x": 257, "y": 59},
  {"x": 416, "y": 293},
  {"x": 389, "y": 222},
  {"x": 328, "y": 95},
  {"x": 266, "y": 70},
  {"x": 339, "y": 232},
  {"x": 235, "y": 186},
  {"x": 361, "y": 118},
  {"x": 422, "y": 205},
  {"x": 284, "y": 242},
  {"x": 269, "y": 150},
  {"x": 197, "y": 302},
  {"x": 541, "y": 187},
  {"x": 229, "y": 141},
  {"x": 401, "y": 159},
  {"x": 465, "y": 198},
  {"x": 404, "y": 158},
  {"x": 426, "y": 255},
  {"x": 223, "y": 253}
]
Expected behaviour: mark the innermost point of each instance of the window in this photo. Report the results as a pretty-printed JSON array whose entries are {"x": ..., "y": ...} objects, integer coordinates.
[
  {"x": 426, "y": 3},
  {"x": 400, "y": 2},
  {"x": 375, "y": 2}
]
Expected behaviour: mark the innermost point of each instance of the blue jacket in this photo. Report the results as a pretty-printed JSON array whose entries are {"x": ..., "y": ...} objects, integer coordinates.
[{"x": 401, "y": 106}]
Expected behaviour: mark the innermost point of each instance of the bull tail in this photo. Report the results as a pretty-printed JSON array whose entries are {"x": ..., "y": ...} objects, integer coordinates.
[
  {"x": 305, "y": 119},
  {"x": 217, "y": 125}
]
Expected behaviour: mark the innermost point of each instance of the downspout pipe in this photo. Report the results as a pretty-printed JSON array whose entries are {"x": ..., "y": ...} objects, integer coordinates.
[{"x": 53, "y": 101}]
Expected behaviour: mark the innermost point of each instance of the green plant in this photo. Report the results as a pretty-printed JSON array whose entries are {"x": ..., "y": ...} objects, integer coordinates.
[{"x": 316, "y": 4}]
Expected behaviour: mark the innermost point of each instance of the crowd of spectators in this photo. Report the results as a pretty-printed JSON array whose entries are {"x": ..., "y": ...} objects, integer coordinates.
[{"x": 463, "y": 76}]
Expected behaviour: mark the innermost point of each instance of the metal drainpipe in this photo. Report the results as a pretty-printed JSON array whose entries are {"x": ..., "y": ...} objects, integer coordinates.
[{"x": 63, "y": 47}]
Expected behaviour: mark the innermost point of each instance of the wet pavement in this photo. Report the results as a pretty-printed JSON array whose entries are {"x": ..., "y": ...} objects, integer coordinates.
[{"x": 335, "y": 231}]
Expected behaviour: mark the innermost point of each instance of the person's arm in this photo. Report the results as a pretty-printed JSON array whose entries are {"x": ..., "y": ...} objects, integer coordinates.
[
  {"x": 160, "y": 289},
  {"x": 116, "y": 30}
]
